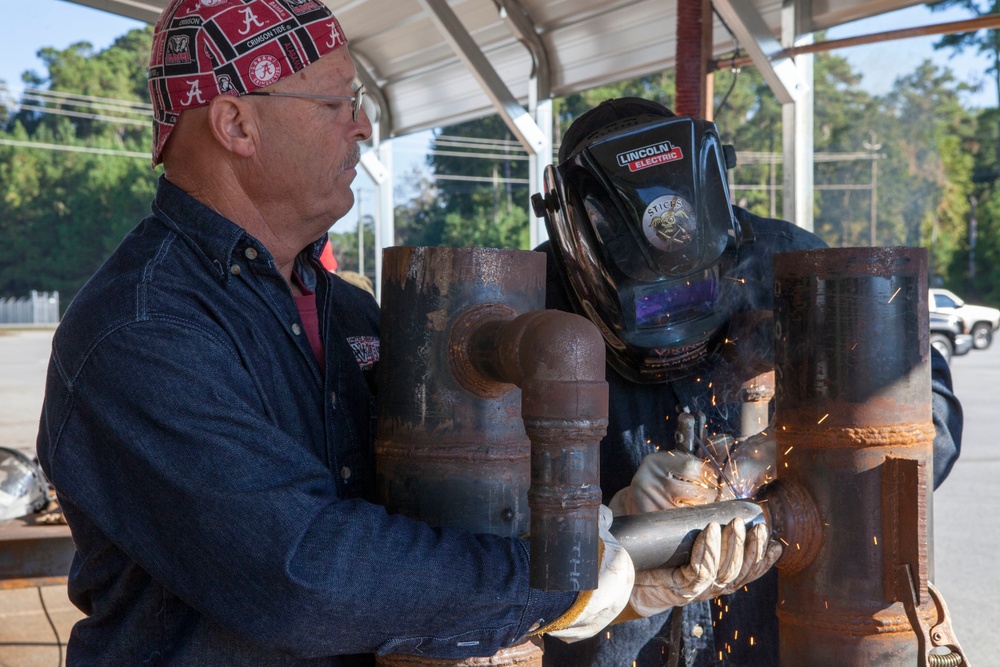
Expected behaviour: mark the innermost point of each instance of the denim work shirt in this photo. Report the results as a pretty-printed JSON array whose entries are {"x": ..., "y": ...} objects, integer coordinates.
[
  {"x": 218, "y": 484},
  {"x": 643, "y": 418}
]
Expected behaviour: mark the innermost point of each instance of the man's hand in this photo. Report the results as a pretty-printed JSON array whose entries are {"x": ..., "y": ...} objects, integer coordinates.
[
  {"x": 723, "y": 560},
  {"x": 595, "y": 610},
  {"x": 666, "y": 480}
]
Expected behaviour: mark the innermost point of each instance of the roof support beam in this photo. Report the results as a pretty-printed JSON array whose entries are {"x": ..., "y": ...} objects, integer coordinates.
[
  {"x": 539, "y": 104},
  {"x": 777, "y": 69},
  {"x": 797, "y": 124},
  {"x": 521, "y": 124}
]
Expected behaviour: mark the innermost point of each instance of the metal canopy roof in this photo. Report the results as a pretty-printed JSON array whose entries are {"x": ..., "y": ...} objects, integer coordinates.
[{"x": 425, "y": 83}]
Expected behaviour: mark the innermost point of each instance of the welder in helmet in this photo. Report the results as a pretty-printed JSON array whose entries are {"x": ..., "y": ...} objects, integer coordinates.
[{"x": 644, "y": 243}]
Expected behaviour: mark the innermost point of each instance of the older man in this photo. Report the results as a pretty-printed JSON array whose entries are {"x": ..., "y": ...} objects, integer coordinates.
[{"x": 210, "y": 401}]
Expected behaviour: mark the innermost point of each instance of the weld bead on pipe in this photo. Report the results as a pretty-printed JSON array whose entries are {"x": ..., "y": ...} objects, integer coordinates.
[
  {"x": 446, "y": 455},
  {"x": 557, "y": 359},
  {"x": 854, "y": 433}
]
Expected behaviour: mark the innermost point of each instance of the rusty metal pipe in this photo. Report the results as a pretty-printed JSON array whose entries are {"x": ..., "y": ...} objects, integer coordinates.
[
  {"x": 557, "y": 359},
  {"x": 484, "y": 392},
  {"x": 444, "y": 454},
  {"x": 854, "y": 432}
]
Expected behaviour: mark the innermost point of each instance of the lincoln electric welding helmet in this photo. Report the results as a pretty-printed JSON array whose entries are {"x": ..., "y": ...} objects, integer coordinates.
[{"x": 639, "y": 219}]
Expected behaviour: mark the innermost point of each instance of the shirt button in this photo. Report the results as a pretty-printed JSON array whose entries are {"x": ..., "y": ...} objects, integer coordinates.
[
  {"x": 251, "y": 253},
  {"x": 333, "y": 398},
  {"x": 235, "y": 269},
  {"x": 296, "y": 329},
  {"x": 345, "y": 473}
]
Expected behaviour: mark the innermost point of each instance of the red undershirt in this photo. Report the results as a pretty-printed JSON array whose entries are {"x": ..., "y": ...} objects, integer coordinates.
[{"x": 310, "y": 320}]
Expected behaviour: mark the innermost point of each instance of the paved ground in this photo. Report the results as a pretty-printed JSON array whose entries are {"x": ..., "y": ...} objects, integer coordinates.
[
  {"x": 966, "y": 516},
  {"x": 26, "y": 637},
  {"x": 967, "y": 512}
]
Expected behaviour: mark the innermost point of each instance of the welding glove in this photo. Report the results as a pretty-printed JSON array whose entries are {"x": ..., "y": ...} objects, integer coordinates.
[
  {"x": 666, "y": 480},
  {"x": 595, "y": 610},
  {"x": 751, "y": 464},
  {"x": 723, "y": 560}
]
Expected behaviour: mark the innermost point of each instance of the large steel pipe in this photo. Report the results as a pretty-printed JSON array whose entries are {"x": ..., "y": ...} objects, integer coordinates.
[
  {"x": 854, "y": 432},
  {"x": 445, "y": 455},
  {"x": 482, "y": 395},
  {"x": 557, "y": 359}
]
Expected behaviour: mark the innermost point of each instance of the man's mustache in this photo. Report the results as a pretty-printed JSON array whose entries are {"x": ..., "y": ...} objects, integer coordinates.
[{"x": 352, "y": 159}]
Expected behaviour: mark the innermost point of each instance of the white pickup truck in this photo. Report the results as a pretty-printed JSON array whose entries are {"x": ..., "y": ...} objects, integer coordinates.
[{"x": 980, "y": 321}]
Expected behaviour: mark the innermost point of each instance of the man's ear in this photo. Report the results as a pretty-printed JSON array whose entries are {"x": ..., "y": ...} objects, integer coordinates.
[{"x": 233, "y": 125}]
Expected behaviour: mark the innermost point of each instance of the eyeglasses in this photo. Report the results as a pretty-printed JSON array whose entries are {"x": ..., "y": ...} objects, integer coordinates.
[{"x": 355, "y": 99}]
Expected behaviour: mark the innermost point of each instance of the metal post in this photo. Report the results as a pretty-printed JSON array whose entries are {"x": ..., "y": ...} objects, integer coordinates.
[{"x": 854, "y": 430}]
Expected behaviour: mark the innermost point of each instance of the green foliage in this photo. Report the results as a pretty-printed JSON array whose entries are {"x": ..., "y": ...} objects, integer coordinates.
[
  {"x": 345, "y": 247},
  {"x": 63, "y": 212},
  {"x": 936, "y": 165}
]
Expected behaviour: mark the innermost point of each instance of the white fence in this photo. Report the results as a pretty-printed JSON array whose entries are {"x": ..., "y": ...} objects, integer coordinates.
[{"x": 39, "y": 308}]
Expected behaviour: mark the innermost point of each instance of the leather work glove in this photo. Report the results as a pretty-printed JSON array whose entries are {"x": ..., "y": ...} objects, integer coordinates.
[
  {"x": 666, "y": 480},
  {"x": 595, "y": 610},
  {"x": 723, "y": 560}
]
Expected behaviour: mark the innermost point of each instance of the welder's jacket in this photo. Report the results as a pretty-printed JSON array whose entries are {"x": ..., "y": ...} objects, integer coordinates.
[
  {"x": 643, "y": 418},
  {"x": 218, "y": 482}
]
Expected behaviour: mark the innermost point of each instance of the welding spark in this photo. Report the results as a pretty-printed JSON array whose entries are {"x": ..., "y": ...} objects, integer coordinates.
[
  {"x": 875, "y": 537},
  {"x": 782, "y": 540},
  {"x": 789, "y": 449},
  {"x": 854, "y": 346},
  {"x": 894, "y": 295},
  {"x": 742, "y": 281},
  {"x": 824, "y": 418}
]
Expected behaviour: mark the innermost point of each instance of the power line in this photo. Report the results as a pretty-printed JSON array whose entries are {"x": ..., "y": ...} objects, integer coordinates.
[
  {"x": 80, "y": 114},
  {"x": 73, "y": 149}
]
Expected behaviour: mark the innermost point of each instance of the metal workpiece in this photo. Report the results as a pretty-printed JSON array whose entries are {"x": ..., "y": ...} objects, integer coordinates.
[
  {"x": 557, "y": 359},
  {"x": 482, "y": 395},
  {"x": 664, "y": 539},
  {"x": 447, "y": 455},
  {"x": 854, "y": 432}
]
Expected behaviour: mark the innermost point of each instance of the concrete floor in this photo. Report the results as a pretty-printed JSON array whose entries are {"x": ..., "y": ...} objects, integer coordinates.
[{"x": 26, "y": 637}]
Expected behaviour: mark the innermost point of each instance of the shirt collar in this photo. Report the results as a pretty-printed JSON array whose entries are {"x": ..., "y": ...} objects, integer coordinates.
[{"x": 213, "y": 234}]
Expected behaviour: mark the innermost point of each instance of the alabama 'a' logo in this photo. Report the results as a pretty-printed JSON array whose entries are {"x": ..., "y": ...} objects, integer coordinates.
[{"x": 265, "y": 69}]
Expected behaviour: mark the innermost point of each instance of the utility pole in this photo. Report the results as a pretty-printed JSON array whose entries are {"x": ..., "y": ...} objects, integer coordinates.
[
  {"x": 873, "y": 146},
  {"x": 972, "y": 241},
  {"x": 361, "y": 236}
]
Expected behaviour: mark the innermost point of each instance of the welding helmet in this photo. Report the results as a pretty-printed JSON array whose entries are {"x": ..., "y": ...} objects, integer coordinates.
[
  {"x": 640, "y": 224},
  {"x": 22, "y": 486}
]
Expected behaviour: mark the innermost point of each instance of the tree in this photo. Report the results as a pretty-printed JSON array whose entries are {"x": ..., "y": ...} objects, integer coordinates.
[{"x": 64, "y": 212}]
